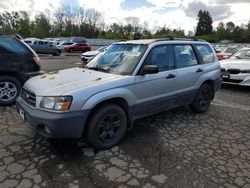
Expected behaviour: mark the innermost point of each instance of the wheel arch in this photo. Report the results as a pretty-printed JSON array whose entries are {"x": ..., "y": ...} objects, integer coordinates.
[{"x": 119, "y": 101}]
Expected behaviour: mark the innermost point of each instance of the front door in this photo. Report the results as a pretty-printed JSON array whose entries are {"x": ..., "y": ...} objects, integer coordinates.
[{"x": 155, "y": 92}]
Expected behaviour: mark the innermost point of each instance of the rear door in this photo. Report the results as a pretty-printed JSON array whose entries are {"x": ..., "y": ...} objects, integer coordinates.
[
  {"x": 188, "y": 73},
  {"x": 155, "y": 92}
]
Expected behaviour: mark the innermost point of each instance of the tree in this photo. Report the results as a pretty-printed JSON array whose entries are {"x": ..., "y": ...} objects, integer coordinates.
[
  {"x": 204, "y": 25},
  {"x": 42, "y": 26},
  {"x": 230, "y": 26}
]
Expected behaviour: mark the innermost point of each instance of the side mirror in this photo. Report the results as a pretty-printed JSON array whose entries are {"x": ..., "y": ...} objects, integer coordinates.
[{"x": 149, "y": 69}]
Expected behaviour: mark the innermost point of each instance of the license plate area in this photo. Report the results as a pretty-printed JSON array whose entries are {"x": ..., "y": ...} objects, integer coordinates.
[{"x": 225, "y": 75}]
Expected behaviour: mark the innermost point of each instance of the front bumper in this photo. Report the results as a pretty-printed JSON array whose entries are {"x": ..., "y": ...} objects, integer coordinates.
[
  {"x": 51, "y": 124},
  {"x": 237, "y": 79}
]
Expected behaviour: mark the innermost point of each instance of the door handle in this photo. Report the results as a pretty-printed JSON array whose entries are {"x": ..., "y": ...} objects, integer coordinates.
[
  {"x": 199, "y": 70},
  {"x": 170, "y": 76}
]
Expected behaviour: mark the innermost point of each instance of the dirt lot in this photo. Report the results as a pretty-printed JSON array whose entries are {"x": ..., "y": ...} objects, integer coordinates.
[{"x": 174, "y": 149}]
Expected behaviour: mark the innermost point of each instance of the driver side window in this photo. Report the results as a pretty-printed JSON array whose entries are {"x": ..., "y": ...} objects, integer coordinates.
[{"x": 161, "y": 56}]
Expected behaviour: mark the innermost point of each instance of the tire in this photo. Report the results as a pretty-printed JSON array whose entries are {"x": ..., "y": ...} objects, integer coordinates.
[
  {"x": 101, "y": 129},
  {"x": 71, "y": 50},
  {"x": 57, "y": 53},
  {"x": 202, "y": 99},
  {"x": 10, "y": 89}
]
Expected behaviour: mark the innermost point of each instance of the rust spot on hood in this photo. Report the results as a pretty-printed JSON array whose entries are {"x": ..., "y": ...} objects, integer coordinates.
[
  {"x": 97, "y": 79},
  {"x": 43, "y": 76},
  {"x": 53, "y": 72}
]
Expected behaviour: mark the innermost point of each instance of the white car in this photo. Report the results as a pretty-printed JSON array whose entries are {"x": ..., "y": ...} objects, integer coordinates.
[
  {"x": 236, "y": 69},
  {"x": 87, "y": 56}
]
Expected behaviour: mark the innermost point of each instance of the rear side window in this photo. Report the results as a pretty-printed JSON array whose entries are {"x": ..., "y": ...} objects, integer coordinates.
[
  {"x": 206, "y": 53},
  {"x": 10, "y": 45},
  {"x": 184, "y": 56}
]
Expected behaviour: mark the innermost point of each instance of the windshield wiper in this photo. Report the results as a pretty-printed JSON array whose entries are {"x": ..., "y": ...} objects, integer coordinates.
[
  {"x": 238, "y": 57},
  {"x": 97, "y": 69}
]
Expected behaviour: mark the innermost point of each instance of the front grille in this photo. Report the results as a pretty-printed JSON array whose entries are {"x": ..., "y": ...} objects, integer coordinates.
[
  {"x": 231, "y": 80},
  {"x": 28, "y": 97},
  {"x": 234, "y": 71}
]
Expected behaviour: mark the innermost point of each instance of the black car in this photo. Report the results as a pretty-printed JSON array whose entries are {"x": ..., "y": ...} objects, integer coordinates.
[{"x": 18, "y": 63}]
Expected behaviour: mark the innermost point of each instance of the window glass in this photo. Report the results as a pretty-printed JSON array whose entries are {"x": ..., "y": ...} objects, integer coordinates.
[
  {"x": 10, "y": 45},
  {"x": 40, "y": 42},
  {"x": 206, "y": 53},
  {"x": 119, "y": 59},
  {"x": 162, "y": 57},
  {"x": 184, "y": 56},
  {"x": 241, "y": 54}
]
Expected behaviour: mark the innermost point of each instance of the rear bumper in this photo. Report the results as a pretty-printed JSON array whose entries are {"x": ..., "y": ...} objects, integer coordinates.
[{"x": 51, "y": 124}]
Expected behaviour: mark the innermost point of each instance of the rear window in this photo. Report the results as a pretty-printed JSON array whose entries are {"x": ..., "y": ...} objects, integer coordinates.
[
  {"x": 206, "y": 53},
  {"x": 11, "y": 45}
]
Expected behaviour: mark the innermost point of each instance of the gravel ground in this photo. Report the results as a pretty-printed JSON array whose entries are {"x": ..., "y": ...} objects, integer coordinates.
[{"x": 176, "y": 148}]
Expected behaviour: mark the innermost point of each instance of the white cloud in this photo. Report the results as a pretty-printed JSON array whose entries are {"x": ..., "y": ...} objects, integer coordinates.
[{"x": 170, "y": 13}]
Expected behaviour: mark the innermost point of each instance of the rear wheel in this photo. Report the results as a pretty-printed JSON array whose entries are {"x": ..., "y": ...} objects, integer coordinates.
[
  {"x": 57, "y": 53},
  {"x": 10, "y": 89},
  {"x": 202, "y": 99},
  {"x": 107, "y": 126}
]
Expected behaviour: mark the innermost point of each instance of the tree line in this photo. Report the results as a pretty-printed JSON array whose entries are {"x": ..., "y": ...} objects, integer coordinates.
[{"x": 69, "y": 21}]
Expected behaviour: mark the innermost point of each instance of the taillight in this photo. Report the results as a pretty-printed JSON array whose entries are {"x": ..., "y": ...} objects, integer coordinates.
[{"x": 37, "y": 60}]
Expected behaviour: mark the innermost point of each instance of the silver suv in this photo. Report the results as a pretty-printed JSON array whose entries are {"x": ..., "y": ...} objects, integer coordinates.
[{"x": 131, "y": 80}]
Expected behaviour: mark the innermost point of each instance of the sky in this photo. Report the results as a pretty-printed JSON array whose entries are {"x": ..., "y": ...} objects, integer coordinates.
[{"x": 153, "y": 14}]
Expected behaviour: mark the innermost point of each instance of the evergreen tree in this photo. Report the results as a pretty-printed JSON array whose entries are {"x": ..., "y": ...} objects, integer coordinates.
[{"x": 204, "y": 26}]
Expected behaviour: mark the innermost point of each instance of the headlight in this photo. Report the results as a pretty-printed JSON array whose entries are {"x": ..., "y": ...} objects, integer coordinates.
[{"x": 56, "y": 103}]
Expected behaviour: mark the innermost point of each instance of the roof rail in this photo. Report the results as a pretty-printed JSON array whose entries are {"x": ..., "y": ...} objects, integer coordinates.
[
  {"x": 18, "y": 36},
  {"x": 184, "y": 38}
]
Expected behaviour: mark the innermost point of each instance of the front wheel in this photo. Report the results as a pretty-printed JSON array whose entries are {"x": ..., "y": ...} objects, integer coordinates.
[
  {"x": 107, "y": 126},
  {"x": 202, "y": 99},
  {"x": 10, "y": 89}
]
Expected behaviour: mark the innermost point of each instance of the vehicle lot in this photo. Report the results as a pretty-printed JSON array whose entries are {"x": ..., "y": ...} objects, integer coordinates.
[{"x": 176, "y": 148}]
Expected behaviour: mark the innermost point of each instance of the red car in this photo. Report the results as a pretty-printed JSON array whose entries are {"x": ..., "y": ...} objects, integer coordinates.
[
  {"x": 226, "y": 53},
  {"x": 82, "y": 47}
]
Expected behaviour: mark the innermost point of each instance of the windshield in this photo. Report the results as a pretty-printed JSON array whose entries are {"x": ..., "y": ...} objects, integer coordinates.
[
  {"x": 118, "y": 59},
  {"x": 229, "y": 50},
  {"x": 241, "y": 54}
]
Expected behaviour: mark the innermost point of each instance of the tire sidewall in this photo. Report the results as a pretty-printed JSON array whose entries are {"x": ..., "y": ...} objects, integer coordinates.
[
  {"x": 94, "y": 121},
  {"x": 18, "y": 85},
  {"x": 195, "y": 105}
]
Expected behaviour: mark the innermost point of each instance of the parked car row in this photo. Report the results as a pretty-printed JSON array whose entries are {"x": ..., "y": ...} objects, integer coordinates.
[{"x": 77, "y": 44}]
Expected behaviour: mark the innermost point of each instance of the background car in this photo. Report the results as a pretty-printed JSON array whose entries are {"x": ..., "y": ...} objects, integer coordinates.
[
  {"x": 236, "y": 69},
  {"x": 18, "y": 63},
  {"x": 62, "y": 45},
  {"x": 80, "y": 47},
  {"x": 44, "y": 47},
  {"x": 87, "y": 56},
  {"x": 226, "y": 52}
]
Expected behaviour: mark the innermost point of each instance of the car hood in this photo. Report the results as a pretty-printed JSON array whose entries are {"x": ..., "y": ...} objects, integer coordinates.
[
  {"x": 235, "y": 64},
  {"x": 91, "y": 53},
  {"x": 64, "y": 82}
]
